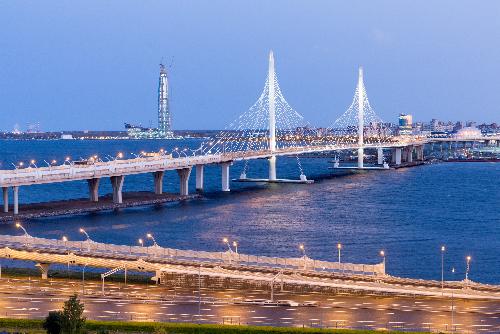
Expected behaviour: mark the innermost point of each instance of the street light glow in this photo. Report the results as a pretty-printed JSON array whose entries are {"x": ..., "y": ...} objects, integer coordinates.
[
  {"x": 339, "y": 245},
  {"x": 443, "y": 248},
  {"x": 64, "y": 238}
]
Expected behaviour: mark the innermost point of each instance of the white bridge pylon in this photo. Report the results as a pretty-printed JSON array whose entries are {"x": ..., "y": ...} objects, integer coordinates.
[
  {"x": 360, "y": 126},
  {"x": 269, "y": 125}
]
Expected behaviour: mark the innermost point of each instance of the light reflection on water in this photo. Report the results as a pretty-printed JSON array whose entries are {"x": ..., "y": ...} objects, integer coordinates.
[{"x": 409, "y": 213}]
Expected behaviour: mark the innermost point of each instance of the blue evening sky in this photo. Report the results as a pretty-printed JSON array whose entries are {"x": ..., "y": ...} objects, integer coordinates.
[{"x": 94, "y": 64}]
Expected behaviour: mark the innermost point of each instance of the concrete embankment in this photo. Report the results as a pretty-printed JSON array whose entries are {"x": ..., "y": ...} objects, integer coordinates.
[{"x": 83, "y": 205}]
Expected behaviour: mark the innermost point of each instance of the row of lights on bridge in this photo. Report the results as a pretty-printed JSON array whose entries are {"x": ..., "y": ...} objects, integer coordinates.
[
  {"x": 95, "y": 158},
  {"x": 302, "y": 249}
]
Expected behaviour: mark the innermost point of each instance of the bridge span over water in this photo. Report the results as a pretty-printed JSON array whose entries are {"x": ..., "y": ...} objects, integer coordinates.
[{"x": 269, "y": 129}]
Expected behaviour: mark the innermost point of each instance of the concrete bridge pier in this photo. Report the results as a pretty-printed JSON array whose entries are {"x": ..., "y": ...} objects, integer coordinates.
[
  {"x": 158, "y": 180},
  {"x": 44, "y": 268},
  {"x": 16, "y": 199},
  {"x": 199, "y": 177},
  {"x": 420, "y": 152},
  {"x": 225, "y": 175},
  {"x": 93, "y": 189},
  {"x": 409, "y": 154},
  {"x": 397, "y": 155},
  {"x": 117, "y": 184},
  {"x": 272, "y": 168},
  {"x": 380, "y": 155},
  {"x": 184, "y": 180},
  {"x": 5, "y": 191}
]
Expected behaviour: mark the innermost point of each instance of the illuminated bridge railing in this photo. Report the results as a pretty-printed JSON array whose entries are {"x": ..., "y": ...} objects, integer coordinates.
[{"x": 157, "y": 253}]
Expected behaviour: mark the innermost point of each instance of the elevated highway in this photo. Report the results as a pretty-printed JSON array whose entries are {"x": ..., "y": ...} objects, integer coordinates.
[{"x": 304, "y": 271}]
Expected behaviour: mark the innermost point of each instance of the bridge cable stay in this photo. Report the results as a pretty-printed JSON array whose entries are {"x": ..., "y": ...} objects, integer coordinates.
[
  {"x": 359, "y": 124},
  {"x": 251, "y": 132}
]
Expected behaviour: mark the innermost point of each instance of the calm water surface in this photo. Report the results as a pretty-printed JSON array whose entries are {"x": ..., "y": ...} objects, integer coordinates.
[{"x": 409, "y": 213}]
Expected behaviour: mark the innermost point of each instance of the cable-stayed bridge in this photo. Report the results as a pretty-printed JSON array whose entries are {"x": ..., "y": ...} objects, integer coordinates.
[{"x": 268, "y": 129}]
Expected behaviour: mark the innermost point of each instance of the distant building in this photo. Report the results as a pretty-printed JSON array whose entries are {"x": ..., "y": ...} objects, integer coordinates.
[
  {"x": 405, "y": 124},
  {"x": 164, "y": 129}
]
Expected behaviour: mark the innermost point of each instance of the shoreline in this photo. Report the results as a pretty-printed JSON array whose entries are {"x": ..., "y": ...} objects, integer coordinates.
[{"x": 84, "y": 206}]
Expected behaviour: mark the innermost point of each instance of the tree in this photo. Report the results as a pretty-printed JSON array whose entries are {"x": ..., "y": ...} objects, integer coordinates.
[
  {"x": 72, "y": 320},
  {"x": 52, "y": 323}
]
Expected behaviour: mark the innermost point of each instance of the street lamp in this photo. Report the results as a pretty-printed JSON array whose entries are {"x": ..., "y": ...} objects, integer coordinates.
[
  {"x": 85, "y": 232},
  {"x": 64, "y": 238},
  {"x": 141, "y": 242},
  {"x": 235, "y": 245},
  {"x": 452, "y": 306},
  {"x": 339, "y": 247},
  {"x": 443, "y": 249},
  {"x": 225, "y": 240},
  {"x": 24, "y": 230},
  {"x": 468, "y": 258},
  {"x": 382, "y": 253},
  {"x": 302, "y": 249},
  {"x": 150, "y": 236}
]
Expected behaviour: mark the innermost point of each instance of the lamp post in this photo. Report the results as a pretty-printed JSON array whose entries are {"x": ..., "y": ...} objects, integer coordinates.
[
  {"x": 339, "y": 247},
  {"x": 150, "y": 236},
  {"x": 235, "y": 245},
  {"x": 226, "y": 241},
  {"x": 141, "y": 242},
  {"x": 382, "y": 253},
  {"x": 468, "y": 258},
  {"x": 443, "y": 249},
  {"x": 452, "y": 306},
  {"x": 83, "y": 279},
  {"x": 87, "y": 236},
  {"x": 303, "y": 250},
  {"x": 84, "y": 232},
  {"x": 24, "y": 230}
]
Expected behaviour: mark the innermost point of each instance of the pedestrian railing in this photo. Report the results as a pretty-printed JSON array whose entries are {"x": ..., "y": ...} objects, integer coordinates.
[{"x": 159, "y": 253}]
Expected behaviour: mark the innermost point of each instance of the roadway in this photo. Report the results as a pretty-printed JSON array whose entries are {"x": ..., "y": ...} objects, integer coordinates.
[{"x": 28, "y": 298}]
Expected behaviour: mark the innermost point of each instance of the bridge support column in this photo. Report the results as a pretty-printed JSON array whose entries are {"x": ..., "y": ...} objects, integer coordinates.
[
  {"x": 157, "y": 277},
  {"x": 199, "y": 177},
  {"x": 409, "y": 157},
  {"x": 272, "y": 168},
  {"x": 16, "y": 199},
  {"x": 93, "y": 189},
  {"x": 397, "y": 154},
  {"x": 361, "y": 155},
  {"x": 184, "y": 180},
  {"x": 225, "y": 176},
  {"x": 420, "y": 153},
  {"x": 117, "y": 184},
  {"x": 5, "y": 191},
  {"x": 44, "y": 268},
  {"x": 158, "y": 180},
  {"x": 380, "y": 156}
]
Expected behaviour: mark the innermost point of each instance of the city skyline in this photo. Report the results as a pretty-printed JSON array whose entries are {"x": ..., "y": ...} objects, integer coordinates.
[{"x": 413, "y": 63}]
